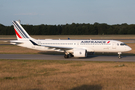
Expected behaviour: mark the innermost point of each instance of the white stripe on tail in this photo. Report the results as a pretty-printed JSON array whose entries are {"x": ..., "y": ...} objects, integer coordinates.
[{"x": 21, "y": 34}]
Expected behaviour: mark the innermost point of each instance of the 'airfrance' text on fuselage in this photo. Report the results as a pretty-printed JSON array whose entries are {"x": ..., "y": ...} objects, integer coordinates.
[{"x": 94, "y": 41}]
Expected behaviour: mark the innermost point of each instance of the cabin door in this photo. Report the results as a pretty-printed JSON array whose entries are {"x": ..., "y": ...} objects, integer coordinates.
[
  {"x": 77, "y": 44},
  {"x": 113, "y": 45}
]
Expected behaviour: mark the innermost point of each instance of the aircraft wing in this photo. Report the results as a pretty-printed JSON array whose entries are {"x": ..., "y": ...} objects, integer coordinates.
[
  {"x": 52, "y": 47},
  {"x": 58, "y": 47}
]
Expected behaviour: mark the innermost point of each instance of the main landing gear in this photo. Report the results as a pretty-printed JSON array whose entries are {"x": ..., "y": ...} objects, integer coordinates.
[{"x": 68, "y": 55}]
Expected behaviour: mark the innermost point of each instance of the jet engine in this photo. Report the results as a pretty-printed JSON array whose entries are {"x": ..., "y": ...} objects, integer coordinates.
[{"x": 80, "y": 53}]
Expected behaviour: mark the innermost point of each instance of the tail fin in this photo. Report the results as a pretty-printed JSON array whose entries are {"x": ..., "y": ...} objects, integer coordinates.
[{"x": 21, "y": 34}]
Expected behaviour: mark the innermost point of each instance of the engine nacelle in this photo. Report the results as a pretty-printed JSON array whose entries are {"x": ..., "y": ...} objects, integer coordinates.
[{"x": 80, "y": 53}]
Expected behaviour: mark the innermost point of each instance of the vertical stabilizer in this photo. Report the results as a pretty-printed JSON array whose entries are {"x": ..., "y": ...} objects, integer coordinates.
[{"x": 21, "y": 34}]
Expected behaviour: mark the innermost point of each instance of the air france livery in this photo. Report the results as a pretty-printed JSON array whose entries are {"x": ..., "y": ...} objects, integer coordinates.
[{"x": 71, "y": 48}]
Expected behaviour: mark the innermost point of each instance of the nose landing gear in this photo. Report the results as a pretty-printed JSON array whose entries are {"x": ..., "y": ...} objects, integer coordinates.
[{"x": 119, "y": 55}]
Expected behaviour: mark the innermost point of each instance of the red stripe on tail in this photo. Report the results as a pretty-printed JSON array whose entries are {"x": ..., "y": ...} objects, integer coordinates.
[{"x": 17, "y": 34}]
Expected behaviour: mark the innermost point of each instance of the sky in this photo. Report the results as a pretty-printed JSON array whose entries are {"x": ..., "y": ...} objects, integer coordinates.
[{"x": 54, "y": 12}]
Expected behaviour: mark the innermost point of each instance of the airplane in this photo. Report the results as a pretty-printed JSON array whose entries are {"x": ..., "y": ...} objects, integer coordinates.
[{"x": 71, "y": 48}]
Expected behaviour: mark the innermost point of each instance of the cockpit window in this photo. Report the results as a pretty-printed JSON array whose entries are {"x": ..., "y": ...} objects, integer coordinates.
[{"x": 122, "y": 44}]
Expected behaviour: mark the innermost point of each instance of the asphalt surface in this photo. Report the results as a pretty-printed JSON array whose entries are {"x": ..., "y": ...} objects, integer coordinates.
[{"x": 61, "y": 57}]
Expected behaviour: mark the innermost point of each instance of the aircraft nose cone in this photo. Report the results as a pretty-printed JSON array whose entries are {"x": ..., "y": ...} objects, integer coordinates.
[{"x": 129, "y": 48}]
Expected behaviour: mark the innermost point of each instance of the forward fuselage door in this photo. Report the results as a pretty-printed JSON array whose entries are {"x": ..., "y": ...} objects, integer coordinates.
[
  {"x": 113, "y": 45},
  {"x": 76, "y": 44}
]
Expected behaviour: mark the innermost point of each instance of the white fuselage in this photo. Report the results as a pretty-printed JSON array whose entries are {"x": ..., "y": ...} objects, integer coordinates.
[{"x": 89, "y": 45}]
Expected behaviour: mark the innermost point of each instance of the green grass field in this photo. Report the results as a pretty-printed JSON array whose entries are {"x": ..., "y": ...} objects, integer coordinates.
[{"x": 66, "y": 75}]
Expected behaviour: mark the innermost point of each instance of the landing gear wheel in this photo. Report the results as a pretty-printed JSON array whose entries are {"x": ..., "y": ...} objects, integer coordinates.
[
  {"x": 119, "y": 56},
  {"x": 70, "y": 55},
  {"x": 66, "y": 56}
]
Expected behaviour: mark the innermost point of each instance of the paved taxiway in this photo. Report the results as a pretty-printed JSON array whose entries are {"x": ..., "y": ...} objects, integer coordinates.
[{"x": 60, "y": 57}]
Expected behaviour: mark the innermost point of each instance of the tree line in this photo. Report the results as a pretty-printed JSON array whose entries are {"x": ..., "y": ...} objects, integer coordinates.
[{"x": 73, "y": 29}]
